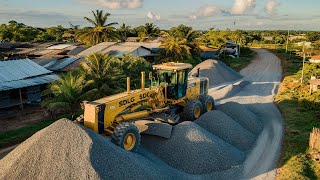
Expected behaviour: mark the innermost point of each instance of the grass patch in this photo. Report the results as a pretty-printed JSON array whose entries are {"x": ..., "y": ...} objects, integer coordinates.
[
  {"x": 295, "y": 162},
  {"x": 16, "y": 136},
  {"x": 247, "y": 55}
]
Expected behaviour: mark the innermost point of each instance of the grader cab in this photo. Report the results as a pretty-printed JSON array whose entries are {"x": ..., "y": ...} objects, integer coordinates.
[{"x": 172, "y": 97}]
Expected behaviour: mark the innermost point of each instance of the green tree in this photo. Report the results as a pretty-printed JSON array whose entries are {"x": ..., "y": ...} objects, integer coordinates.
[
  {"x": 175, "y": 47},
  {"x": 17, "y": 32},
  {"x": 148, "y": 30},
  {"x": 101, "y": 32},
  {"x": 44, "y": 37},
  {"x": 191, "y": 36},
  {"x": 316, "y": 45},
  {"x": 5, "y": 33},
  {"x": 56, "y": 32},
  {"x": 133, "y": 66},
  {"x": 239, "y": 37},
  {"x": 215, "y": 38},
  {"x": 124, "y": 30},
  {"x": 104, "y": 71},
  {"x": 313, "y": 36},
  {"x": 67, "y": 93}
]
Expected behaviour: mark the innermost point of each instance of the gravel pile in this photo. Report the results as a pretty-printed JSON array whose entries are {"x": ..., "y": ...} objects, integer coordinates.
[
  {"x": 243, "y": 116},
  {"x": 60, "y": 151},
  {"x": 65, "y": 150},
  {"x": 216, "y": 71},
  {"x": 194, "y": 150},
  {"x": 221, "y": 125}
]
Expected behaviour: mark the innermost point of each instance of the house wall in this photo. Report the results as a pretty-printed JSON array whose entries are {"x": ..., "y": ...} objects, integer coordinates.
[
  {"x": 33, "y": 94},
  {"x": 12, "y": 97},
  {"x": 4, "y": 99},
  {"x": 141, "y": 52}
]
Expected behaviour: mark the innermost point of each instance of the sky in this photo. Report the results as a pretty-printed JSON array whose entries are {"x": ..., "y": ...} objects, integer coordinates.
[{"x": 200, "y": 14}]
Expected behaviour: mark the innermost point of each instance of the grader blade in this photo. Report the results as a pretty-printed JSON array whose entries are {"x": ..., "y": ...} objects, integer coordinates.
[
  {"x": 155, "y": 128},
  {"x": 166, "y": 118}
]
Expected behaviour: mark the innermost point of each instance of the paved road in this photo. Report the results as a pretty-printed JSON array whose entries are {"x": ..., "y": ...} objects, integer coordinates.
[{"x": 265, "y": 74}]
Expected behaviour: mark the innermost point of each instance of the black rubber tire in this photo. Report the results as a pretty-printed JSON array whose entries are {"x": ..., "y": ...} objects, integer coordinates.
[
  {"x": 205, "y": 99},
  {"x": 121, "y": 132},
  {"x": 188, "y": 110}
]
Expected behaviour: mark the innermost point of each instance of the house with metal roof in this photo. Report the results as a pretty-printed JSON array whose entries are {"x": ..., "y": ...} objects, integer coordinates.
[
  {"x": 141, "y": 49},
  {"x": 55, "y": 64},
  {"x": 97, "y": 48},
  {"x": 60, "y": 64},
  {"x": 315, "y": 59},
  {"x": 74, "y": 65},
  {"x": 77, "y": 51},
  {"x": 144, "y": 44},
  {"x": 121, "y": 49},
  {"x": 22, "y": 81}
]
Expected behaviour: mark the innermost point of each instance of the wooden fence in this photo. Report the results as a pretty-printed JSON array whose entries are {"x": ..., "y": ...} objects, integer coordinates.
[{"x": 314, "y": 141}]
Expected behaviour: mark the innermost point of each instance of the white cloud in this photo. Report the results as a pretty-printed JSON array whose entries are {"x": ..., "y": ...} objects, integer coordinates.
[
  {"x": 206, "y": 11},
  {"x": 271, "y": 7},
  {"x": 153, "y": 16},
  {"x": 117, "y": 4},
  {"x": 242, "y": 7}
]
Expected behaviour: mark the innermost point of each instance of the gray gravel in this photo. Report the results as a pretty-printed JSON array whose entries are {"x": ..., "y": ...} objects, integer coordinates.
[
  {"x": 216, "y": 71},
  {"x": 243, "y": 116},
  {"x": 221, "y": 125},
  {"x": 65, "y": 150},
  {"x": 60, "y": 151},
  {"x": 194, "y": 150}
]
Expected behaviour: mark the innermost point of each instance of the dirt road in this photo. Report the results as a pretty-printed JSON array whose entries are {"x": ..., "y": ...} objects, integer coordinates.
[{"x": 265, "y": 74}]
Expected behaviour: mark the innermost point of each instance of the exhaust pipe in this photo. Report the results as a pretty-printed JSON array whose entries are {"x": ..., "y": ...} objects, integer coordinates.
[
  {"x": 142, "y": 80},
  {"x": 150, "y": 78},
  {"x": 128, "y": 85}
]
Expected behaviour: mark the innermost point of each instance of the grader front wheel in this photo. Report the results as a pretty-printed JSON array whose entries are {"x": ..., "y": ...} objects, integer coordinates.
[{"x": 127, "y": 136}]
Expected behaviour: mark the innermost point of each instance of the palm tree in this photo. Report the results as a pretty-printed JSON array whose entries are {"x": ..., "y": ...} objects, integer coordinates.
[
  {"x": 104, "y": 71},
  {"x": 180, "y": 43},
  {"x": 124, "y": 30},
  {"x": 175, "y": 47},
  {"x": 67, "y": 93},
  {"x": 148, "y": 30},
  {"x": 189, "y": 34},
  {"x": 101, "y": 31}
]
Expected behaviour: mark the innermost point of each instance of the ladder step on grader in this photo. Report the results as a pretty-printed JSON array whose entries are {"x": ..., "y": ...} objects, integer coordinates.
[{"x": 173, "y": 97}]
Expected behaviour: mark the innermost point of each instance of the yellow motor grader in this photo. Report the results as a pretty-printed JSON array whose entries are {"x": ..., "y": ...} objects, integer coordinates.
[{"x": 172, "y": 94}]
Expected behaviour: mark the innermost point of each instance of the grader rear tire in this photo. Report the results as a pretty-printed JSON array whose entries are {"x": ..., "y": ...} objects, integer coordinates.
[
  {"x": 207, "y": 102},
  {"x": 192, "y": 111},
  {"x": 127, "y": 136}
]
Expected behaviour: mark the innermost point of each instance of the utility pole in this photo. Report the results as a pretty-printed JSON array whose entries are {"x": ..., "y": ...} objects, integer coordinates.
[
  {"x": 304, "y": 58},
  {"x": 287, "y": 41}
]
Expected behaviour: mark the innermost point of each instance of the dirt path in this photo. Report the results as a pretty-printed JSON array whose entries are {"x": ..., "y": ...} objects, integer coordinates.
[{"x": 265, "y": 74}]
